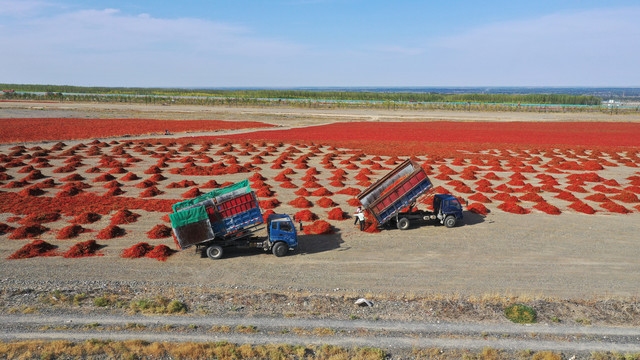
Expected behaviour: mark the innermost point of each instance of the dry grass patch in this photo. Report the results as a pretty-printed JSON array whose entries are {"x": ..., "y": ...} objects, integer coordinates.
[{"x": 140, "y": 349}]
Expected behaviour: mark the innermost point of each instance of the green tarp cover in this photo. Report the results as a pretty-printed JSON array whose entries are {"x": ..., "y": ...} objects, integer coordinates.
[
  {"x": 213, "y": 194},
  {"x": 188, "y": 216}
]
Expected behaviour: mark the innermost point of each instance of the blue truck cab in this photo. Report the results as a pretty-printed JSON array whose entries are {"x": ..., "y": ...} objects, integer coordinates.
[
  {"x": 447, "y": 209},
  {"x": 282, "y": 235}
]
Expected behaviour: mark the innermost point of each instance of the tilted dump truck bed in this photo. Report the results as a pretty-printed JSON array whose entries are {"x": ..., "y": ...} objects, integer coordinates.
[
  {"x": 398, "y": 189},
  {"x": 219, "y": 214}
]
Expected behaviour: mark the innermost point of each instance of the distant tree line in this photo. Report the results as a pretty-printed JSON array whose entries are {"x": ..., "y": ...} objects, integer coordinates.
[{"x": 556, "y": 99}]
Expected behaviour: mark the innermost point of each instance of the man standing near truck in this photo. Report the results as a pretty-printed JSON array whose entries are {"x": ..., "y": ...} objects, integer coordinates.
[
  {"x": 358, "y": 211},
  {"x": 359, "y": 215}
]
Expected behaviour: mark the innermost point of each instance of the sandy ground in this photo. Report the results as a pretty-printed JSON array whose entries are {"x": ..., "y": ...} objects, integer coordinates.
[
  {"x": 572, "y": 255},
  {"x": 282, "y": 115}
]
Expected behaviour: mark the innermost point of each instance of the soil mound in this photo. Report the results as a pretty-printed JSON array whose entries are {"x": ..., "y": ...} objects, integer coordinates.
[
  {"x": 181, "y": 184},
  {"x": 28, "y": 231},
  {"x": 4, "y": 228},
  {"x": 318, "y": 228},
  {"x": 269, "y": 204},
  {"x": 565, "y": 195},
  {"x": 582, "y": 207},
  {"x": 288, "y": 185},
  {"x": 615, "y": 208},
  {"x": 326, "y": 202},
  {"x": 159, "y": 231},
  {"x": 110, "y": 232},
  {"x": 211, "y": 184},
  {"x": 157, "y": 177},
  {"x": 301, "y": 202},
  {"x": 305, "y": 215},
  {"x": 104, "y": 178},
  {"x": 151, "y": 192},
  {"x": 512, "y": 207},
  {"x": 598, "y": 197},
  {"x": 349, "y": 191},
  {"x": 86, "y": 218},
  {"x": 83, "y": 249},
  {"x": 302, "y": 192},
  {"x": 264, "y": 192},
  {"x": 160, "y": 252},
  {"x": 40, "y": 218},
  {"x": 192, "y": 193},
  {"x": 112, "y": 184},
  {"x": 337, "y": 214},
  {"x": 137, "y": 251},
  {"x": 547, "y": 208},
  {"x": 124, "y": 217},
  {"x": 626, "y": 197},
  {"x": 34, "y": 249},
  {"x": 31, "y": 191},
  {"x": 130, "y": 177},
  {"x": 145, "y": 184},
  {"x": 354, "y": 202},
  {"x": 478, "y": 208},
  {"x": 532, "y": 197},
  {"x": 70, "y": 231},
  {"x": 114, "y": 192},
  {"x": 72, "y": 177},
  {"x": 321, "y": 192}
]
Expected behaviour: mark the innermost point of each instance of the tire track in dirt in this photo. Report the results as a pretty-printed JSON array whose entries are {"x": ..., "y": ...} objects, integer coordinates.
[{"x": 348, "y": 333}]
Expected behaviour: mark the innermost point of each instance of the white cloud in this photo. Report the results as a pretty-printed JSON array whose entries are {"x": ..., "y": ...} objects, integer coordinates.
[
  {"x": 52, "y": 44},
  {"x": 597, "y": 47},
  {"x": 23, "y": 7},
  {"x": 109, "y": 47}
]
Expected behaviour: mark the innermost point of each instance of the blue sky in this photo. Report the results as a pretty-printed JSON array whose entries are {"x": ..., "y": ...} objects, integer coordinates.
[{"x": 288, "y": 43}]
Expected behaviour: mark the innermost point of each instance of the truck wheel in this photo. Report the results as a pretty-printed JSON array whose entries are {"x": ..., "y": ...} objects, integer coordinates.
[
  {"x": 280, "y": 249},
  {"x": 403, "y": 223},
  {"x": 450, "y": 221},
  {"x": 214, "y": 252}
]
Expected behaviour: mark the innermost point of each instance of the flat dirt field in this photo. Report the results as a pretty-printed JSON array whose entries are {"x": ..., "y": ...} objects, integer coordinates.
[
  {"x": 571, "y": 255},
  {"x": 541, "y": 220}
]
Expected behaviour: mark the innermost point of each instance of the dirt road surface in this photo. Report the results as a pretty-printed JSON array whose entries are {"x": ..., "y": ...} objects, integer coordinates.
[{"x": 396, "y": 336}]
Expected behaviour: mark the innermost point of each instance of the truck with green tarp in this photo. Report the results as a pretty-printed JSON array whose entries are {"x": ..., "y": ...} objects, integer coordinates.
[{"x": 230, "y": 217}]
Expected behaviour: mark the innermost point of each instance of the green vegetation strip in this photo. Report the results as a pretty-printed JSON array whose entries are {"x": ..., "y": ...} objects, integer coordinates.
[{"x": 240, "y": 95}]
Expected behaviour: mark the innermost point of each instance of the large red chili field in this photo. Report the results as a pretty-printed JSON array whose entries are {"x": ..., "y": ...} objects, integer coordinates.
[
  {"x": 56, "y": 192},
  {"x": 18, "y": 130},
  {"x": 421, "y": 138}
]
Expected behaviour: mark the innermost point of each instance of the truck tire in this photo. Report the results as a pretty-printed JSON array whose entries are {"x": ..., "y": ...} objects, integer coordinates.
[
  {"x": 214, "y": 252},
  {"x": 280, "y": 249},
  {"x": 403, "y": 223},
  {"x": 450, "y": 221}
]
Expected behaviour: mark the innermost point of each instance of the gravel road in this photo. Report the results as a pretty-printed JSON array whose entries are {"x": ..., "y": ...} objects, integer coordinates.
[{"x": 392, "y": 336}]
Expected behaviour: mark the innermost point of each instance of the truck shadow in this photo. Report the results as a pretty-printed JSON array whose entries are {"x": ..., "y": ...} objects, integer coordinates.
[
  {"x": 471, "y": 218},
  {"x": 233, "y": 252},
  {"x": 313, "y": 244},
  {"x": 307, "y": 244}
]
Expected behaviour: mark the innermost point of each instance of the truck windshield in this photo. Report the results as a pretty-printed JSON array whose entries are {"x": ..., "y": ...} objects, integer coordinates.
[
  {"x": 285, "y": 226},
  {"x": 455, "y": 204}
]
